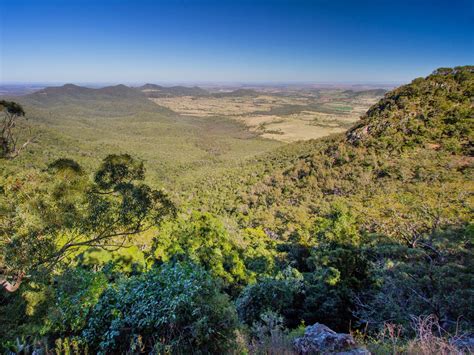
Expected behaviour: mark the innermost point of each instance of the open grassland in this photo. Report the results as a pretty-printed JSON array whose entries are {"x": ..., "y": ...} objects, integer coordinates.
[
  {"x": 209, "y": 106},
  {"x": 285, "y": 117}
]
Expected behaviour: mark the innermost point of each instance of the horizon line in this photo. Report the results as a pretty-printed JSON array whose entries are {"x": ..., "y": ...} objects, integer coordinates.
[{"x": 188, "y": 83}]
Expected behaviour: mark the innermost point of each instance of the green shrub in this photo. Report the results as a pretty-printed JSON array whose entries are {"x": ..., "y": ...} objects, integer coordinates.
[
  {"x": 175, "y": 307},
  {"x": 203, "y": 240},
  {"x": 77, "y": 291},
  {"x": 281, "y": 296},
  {"x": 433, "y": 278}
]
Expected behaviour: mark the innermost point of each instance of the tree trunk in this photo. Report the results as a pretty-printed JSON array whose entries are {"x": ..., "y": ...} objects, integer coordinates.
[{"x": 10, "y": 287}]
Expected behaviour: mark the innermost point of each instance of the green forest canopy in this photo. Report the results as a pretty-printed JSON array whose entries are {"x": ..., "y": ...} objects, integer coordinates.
[{"x": 357, "y": 229}]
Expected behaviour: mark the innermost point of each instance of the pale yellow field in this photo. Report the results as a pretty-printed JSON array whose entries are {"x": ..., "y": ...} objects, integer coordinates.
[
  {"x": 291, "y": 128},
  {"x": 287, "y": 129},
  {"x": 225, "y": 106},
  {"x": 287, "y": 126}
]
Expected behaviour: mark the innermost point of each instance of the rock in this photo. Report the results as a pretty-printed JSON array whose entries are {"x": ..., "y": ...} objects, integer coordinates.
[
  {"x": 464, "y": 343},
  {"x": 355, "y": 351},
  {"x": 319, "y": 339}
]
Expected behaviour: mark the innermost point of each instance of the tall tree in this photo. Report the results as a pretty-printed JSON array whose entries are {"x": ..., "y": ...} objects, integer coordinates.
[
  {"x": 49, "y": 217},
  {"x": 11, "y": 112}
]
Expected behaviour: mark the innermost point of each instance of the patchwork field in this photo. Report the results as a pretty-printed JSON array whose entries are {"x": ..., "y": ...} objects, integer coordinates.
[{"x": 283, "y": 116}]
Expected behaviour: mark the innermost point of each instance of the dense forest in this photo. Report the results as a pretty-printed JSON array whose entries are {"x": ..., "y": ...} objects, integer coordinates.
[{"x": 368, "y": 232}]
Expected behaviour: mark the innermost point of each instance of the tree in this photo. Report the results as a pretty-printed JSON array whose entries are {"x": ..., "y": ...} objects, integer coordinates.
[
  {"x": 9, "y": 287},
  {"x": 203, "y": 240},
  {"x": 12, "y": 111},
  {"x": 282, "y": 296},
  {"x": 51, "y": 216},
  {"x": 339, "y": 267}
]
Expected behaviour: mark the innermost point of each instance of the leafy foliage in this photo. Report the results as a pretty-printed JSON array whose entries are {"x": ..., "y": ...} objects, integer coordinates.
[
  {"x": 50, "y": 214},
  {"x": 281, "y": 296},
  {"x": 434, "y": 279},
  {"x": 174, "y": 308},
  {"x": 11, "y": 112},
  {"x": 76, "y": 292},
  {"x": 203, "y": 239}
]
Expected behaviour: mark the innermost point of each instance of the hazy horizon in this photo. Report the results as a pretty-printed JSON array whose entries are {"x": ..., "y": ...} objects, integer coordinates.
[{"x": 198, "y": 83}]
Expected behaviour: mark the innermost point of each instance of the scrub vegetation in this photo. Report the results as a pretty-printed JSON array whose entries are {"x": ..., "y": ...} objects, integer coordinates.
[{"x": 142, "y": 228}]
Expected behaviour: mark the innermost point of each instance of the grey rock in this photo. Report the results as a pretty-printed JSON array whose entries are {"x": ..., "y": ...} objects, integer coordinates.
[
  {"x": 320, "y": 339},
  {"x": 464, "y": 343}
]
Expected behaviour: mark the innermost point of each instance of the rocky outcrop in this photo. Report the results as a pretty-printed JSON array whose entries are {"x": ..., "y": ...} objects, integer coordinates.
[{"x": 319, "y": 339}]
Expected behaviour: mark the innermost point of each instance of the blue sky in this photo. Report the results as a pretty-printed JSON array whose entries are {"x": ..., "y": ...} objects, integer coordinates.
[{"x": 232, "y": 41}]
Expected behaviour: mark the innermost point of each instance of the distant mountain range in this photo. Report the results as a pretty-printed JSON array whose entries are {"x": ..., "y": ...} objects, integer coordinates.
[
  {"x": 159, "y": 91},
  {"x": 67, "y": 92},
  {"x": 107, "y": 101},
  {"x": 81, "y": 92},
  {"x": 153, "y": 90},
  {"x": 237, "y": 93},
  {"x": 156, "y": 91}
]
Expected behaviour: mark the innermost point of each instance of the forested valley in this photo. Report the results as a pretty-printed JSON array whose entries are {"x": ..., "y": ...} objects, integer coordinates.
[{"x": 129, "y": 227}]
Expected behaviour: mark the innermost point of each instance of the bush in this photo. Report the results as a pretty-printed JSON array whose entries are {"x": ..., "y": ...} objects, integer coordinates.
[
  {"x": 433, "y": 278},
  {"x": 283, "y": 297},
  {"x": 203, "y": 240},
  {"x": 77, "y": 291},
  {"x": 176, "y": 307}
]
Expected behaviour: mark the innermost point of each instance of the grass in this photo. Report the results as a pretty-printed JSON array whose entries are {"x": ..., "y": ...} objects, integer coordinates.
[{"x": 287, "y": 118}]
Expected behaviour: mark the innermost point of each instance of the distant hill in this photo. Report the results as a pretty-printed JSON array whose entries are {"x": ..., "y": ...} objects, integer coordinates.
[
  {"x": 237, "y": 93},
  {"x": 107, "y": 101},
  {"x": 156, "y": 91},
  {"x": 365, "y": 93},
  {"x": 71, "y": 91}
]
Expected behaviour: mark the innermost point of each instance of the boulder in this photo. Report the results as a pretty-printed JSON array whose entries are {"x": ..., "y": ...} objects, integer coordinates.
[
  {"x": 319, "y": 339},
  {"x": 464, "y": 343}
]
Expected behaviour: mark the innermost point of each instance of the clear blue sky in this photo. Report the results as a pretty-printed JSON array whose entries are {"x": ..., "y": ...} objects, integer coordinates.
[{"x": 241, "y": 40}]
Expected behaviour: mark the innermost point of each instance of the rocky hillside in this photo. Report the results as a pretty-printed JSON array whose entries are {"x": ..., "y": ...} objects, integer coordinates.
[
  {"x": 436, "y": 111},
  {"x": 417, "y": 135}
]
